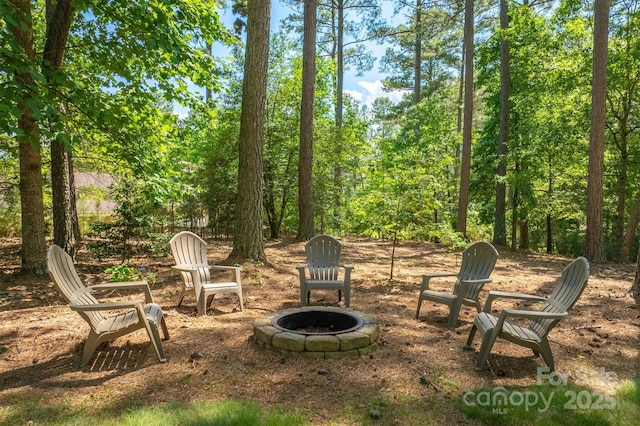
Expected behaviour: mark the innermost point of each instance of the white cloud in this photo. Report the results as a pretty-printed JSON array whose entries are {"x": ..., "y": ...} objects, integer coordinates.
[
  {"x": 354, "y": 94},
  {"x": 374, "y": 90}
]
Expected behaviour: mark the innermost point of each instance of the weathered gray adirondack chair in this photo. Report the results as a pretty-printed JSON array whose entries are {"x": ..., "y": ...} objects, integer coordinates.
[
  {"x": 534, "y": 336},
  {"x": 132, "y": 316},
  {"x": 190, "y": 254},
  {"x": 478, "y": 261},
  {"x": 323, "y": 263}
]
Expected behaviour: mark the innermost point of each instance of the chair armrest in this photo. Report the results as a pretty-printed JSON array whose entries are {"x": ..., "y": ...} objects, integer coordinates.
[
  {"x": 427, "y": 277},
  {"x": 192, "y": 267},
  {"x": 348, "y": 266},
  {"x": 126, "y": 285},
  {"x": 518, "y": 313},
  {"x": 465, "y": 284},
  {"x": 227, "y": 268},
  {"x": 507, "y": 295},
  {"x": 106, "y": 306},
  {"x": 480, "y": 281}
]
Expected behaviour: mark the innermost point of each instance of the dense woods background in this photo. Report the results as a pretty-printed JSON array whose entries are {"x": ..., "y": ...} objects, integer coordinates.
[{"x": 551, "y": 120}]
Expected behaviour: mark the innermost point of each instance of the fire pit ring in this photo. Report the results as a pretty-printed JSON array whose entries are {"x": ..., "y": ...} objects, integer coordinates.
[
  {"x": 318, "y": 332},
  {"x": 313, "y": 322}
]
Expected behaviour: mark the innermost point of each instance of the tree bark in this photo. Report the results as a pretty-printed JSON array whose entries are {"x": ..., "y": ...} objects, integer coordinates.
[
  {"x": 417, "y": 60},
  {"x": 635, "y": 288},
  {"x": 305, "y": 162},
  {"x": 549, "y": 198},
  {"x": 631, "y": 230},
  {"x": 500, "y": 227},
  {"x": 34, "y": 256},
  {"x": 465, "y": 169},
  {"x": 594, "y": 244},
  {"x": 65, "y": 216},
  {"x": 248, "y": 241}
]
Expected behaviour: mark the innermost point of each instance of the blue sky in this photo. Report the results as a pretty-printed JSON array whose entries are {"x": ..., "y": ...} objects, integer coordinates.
[{"x": 365, "y": 88}]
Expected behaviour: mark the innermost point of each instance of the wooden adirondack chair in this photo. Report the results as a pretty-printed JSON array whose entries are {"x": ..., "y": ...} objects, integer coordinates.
[
  {"x": 478, "y": 261},
  {"x": 534, "y": 336},
  {"x": 124, "y": 317},
  {"x": 323, "y": 265},
  {"x": 190, "y": 254}
]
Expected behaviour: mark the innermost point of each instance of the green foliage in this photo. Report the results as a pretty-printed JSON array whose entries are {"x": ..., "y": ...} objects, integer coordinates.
[
  {"x": 125, "y": 272},
  {"x": 130, "y": 231}
]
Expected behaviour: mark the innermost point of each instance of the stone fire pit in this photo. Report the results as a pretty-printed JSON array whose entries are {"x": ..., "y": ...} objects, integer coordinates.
[{"x": 318, "y": 332}]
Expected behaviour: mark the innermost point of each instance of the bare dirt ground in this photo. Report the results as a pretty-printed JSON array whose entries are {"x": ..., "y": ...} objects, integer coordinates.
[{"x": 420, "y": 366}]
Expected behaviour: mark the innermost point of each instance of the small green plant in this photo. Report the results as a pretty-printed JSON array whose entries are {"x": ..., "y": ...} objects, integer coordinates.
[{"x": 123, "y": 272}]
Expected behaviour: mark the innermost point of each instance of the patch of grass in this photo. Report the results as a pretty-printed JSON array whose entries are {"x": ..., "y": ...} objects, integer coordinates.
[
  {"x": 553, "y": 405},
  {"x": 396, "y": 408},
  {"x": 34, "y": 410}
]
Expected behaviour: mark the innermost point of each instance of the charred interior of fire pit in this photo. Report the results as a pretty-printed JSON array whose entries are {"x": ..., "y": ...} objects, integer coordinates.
[{"x": 317, "y": 322}]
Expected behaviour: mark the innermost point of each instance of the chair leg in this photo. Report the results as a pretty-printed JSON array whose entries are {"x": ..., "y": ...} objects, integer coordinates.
[
  {"x": 241, "y": 303},
  {"x": 347, "y": 297},
  {"x": 545, "y": 351},
  {"x": 154, "y": 336},
  {"x": 485, "y": 349},
  {"x": 90, "y": 347},
  {"x": 418, "y": 309},
  {"x": 454, "y": 312},
  {"x": 472, "y": 334},
  {"x": 202, "y": 304},
  {"x": 303, "y": 295},
  {"x": 339, "y": 295},
  {"x": 165, "y": 331}
]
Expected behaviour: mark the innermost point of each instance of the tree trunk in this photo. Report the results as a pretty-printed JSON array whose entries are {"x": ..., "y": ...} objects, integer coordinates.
[
  {"x": 465, "y": 170},
  {"x": 59, "y": 17},
  {"x": 622, "y": 199},
  {"x": 550, "y": 198},
  {"x": 456, "y": 169},
  {"x": 305, "y": 162},
  {"x": 63, "y": 229},
  {"x": 594, "y": 244},
  {"x": 524, "y": 234},
  {"x": 500, "y": 226},
  {"x": 34, "y": 255},
  {"x": 631, "y": 230},
  {"x": 337, "y": 171},
  {"x": 248, "y": 243},
  {"x": 635, "y": 288},
  {"x": 417, "y": 60}
]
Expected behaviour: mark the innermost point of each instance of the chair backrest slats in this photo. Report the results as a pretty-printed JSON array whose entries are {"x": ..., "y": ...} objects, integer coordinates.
[
  {"x": 323, "y": 257},
  {"x": 64, "y": 276},
  {"x": 189, "y": 249},
  {"x": 478, "y": 261},
  {"x": 570, "y": 286}
]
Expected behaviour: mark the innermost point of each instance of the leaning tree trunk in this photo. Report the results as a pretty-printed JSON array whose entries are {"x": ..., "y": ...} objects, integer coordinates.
[{"x": 59, "y": 17}]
